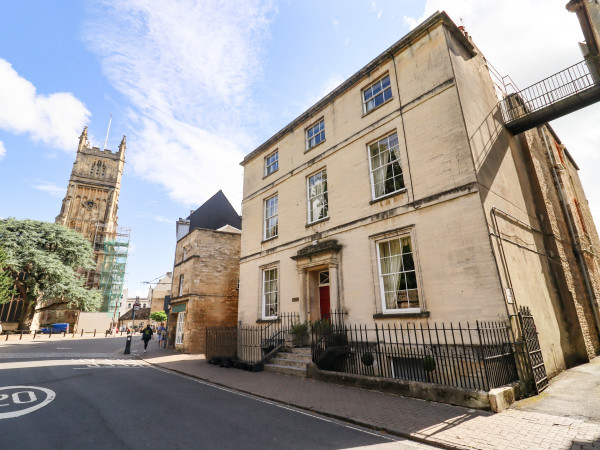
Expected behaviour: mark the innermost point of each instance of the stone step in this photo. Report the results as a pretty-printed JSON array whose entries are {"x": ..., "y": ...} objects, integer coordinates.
[
  {"x": 293, "y": 371},
  {"x": 295, "y": 356},
  {"x": 302, "y": 351},
  {"x": 282, "y": 361}
]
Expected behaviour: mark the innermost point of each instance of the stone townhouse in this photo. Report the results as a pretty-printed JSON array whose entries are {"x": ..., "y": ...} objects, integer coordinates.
[
  {"x": 400, "y": 197},
  {"x": 205, "y": 274}
]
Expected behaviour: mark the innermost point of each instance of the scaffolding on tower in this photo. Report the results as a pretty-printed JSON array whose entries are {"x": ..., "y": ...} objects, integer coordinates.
[{"x": 115, "y": 246}]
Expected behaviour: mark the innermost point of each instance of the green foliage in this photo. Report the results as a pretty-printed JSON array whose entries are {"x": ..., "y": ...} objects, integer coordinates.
[
  {"x": 159, "y": 316},
  {"x": 44, "y": 259},
  {"x": 6, "y": 280},
  {"x": 321, "y": 327},
  {"x": 299, "y": 328},
  {"x": 429, "y": 363}
]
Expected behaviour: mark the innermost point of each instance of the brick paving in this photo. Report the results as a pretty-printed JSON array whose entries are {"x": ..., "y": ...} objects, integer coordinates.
[{"x": 434, "y": 423}]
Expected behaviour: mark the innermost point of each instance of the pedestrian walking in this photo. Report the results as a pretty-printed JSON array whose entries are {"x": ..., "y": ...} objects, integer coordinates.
[
  {"x": 161, "y": 332},
  {"x": 147, "y": 335}
]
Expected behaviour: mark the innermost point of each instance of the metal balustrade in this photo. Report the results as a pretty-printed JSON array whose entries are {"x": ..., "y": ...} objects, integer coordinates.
[{"x": 564, "y": 92}]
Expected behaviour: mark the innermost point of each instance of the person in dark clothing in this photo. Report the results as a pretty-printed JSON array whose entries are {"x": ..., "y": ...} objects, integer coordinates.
[{"x": 147, "y": 335}]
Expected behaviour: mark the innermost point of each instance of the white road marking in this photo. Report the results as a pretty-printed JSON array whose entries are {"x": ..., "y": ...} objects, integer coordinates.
[
  {"x": 23, "y": 395},
  {"x": 269, "y": 402}
]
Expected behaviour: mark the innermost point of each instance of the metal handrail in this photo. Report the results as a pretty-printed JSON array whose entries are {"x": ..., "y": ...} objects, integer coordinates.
[{"x": 571, "y": 81}]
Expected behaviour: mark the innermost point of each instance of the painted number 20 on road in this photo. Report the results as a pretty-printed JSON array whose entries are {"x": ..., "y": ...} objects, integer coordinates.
[{"x": 16, "y": 401}]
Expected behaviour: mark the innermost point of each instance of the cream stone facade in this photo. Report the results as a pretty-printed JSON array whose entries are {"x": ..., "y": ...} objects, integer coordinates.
[
  {"x": 401, "y": 198},
  {"x": 157, "y": 294}
]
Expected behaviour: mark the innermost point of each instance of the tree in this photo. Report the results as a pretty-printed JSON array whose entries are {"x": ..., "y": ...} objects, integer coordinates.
[
  {"x": 6, "y": 280},
  {"x": 159, "y": 316},
  {"x": 45, "y": 262}
]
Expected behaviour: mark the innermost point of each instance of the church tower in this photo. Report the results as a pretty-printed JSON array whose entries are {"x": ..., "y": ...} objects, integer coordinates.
[{"x": 91, "y": 203}]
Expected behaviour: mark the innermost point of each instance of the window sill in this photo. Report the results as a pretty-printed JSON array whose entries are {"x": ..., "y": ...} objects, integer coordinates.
[
  {"x": 267, "y": 320},
  {"x": 377, "y": 107},
  {"x": 324, "y": 219},
  {"x": 387, "y": 196},
  {"x": 408, "y": 315},
  {"x": 314, "y": 146},
  {"x": 269, "y": 239},
  {"x": 268, "y": 175}
]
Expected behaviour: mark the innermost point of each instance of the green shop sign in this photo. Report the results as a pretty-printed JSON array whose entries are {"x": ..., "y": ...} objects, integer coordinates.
[{"x": 178, "y": 308}]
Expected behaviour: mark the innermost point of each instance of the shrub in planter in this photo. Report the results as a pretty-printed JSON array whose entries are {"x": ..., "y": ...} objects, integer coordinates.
[
  {"x": 321, "y": 327},
  {"x": 428, "y": 363},
  {"x": 337, "y": 339},
  {"x": 299, "y": 332},
  {"x": 367, "y": 359}
]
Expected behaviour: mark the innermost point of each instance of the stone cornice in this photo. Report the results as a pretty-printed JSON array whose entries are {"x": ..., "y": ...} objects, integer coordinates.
[{"x": 328, "y": 246}]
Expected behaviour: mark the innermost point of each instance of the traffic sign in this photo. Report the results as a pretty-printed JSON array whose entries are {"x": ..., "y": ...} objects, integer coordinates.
[{"x": 136, "y": 307}]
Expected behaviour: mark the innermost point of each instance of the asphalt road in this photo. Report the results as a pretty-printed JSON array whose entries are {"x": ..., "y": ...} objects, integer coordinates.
[{"x": 61, "y": 393}]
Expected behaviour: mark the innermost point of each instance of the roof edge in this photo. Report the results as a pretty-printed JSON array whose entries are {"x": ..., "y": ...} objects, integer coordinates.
[{"x": 436, "y": 19}]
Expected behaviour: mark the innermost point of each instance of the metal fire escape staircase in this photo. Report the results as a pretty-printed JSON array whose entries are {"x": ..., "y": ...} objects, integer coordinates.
[{"x": 558, "y": 95}]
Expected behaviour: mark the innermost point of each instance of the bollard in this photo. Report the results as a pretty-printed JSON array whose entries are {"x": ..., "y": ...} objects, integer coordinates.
[
  {"x": 50, "y": 333},
  {"x": 64, "y": 333},
  {"x": 73, "y": 334},
  {"x": 34, "y": 333},
  {"x": 7, "y": 336},
  {"x": 105, "y": 333},
  {"x": 127, "y": 345},
  {"x": 94, "y": 332},
  {"x": 82, "y": 332},
  {"x": 21, "y": 337}
]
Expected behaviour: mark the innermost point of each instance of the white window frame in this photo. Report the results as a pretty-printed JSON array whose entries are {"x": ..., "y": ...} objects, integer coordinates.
[
  {"x": 324, "y": 194},
  {"x": 264, "y": 292},
  {"x": 382, "y": 91},
  {"x": 273, "y": 216},
  {"x": 271, "y": 166},
  {"x": 384, "y": 307},
  {"x": 320, "y": 130},
  {"x": 179, "y": 329},
  {"x": 181, "y": 278},
  {"x": 371, "y": 170}
]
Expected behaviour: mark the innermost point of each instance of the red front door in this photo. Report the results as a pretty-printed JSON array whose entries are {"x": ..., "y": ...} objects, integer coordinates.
[{"x": 324, "y": 301}]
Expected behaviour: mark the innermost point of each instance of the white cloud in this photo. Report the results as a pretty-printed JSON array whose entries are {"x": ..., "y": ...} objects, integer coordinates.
[
  {"x": 2, "y": 150},
  {"x": 377, "y": 9},
  {"x": 164, "y": 219},
  {"x": 330, "y": 84},
  {"x": 56, "y": 119},
  {"x": 187, "y": 69},
  {"x": 51, "y": 188},
  {"x": 531, "y": 40}
]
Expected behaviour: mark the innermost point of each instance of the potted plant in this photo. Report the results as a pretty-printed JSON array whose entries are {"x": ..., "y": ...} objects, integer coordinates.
[{"x": 299, "y": 332}]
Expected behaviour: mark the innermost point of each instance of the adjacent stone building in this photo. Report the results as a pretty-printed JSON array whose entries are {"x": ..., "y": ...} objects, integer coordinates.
[
  {"x": 205, "y": 274},
  {"x": 401, "y": 198},
  {"x": 157, "y": 294}
]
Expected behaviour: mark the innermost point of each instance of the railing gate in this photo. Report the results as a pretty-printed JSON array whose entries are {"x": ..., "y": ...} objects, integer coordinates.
[{"x": 534, "y": 353}]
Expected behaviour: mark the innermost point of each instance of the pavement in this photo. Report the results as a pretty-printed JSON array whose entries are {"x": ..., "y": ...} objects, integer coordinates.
[{"x": 529, "y": 424}]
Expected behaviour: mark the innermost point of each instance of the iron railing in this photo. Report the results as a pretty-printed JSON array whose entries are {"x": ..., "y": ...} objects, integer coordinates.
[
  {"x": 568, "y": 82},
  {"x": 535, "y": 358},
  {"x": 249, "y": 344},
  {"x": 474, "y": 357}
]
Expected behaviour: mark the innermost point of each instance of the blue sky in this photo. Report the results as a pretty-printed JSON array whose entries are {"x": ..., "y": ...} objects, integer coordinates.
[{"x": 196, "y": 85}]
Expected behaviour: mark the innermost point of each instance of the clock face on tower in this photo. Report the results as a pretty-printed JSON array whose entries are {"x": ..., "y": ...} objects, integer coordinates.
[{"x": 88, "y": 204}]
